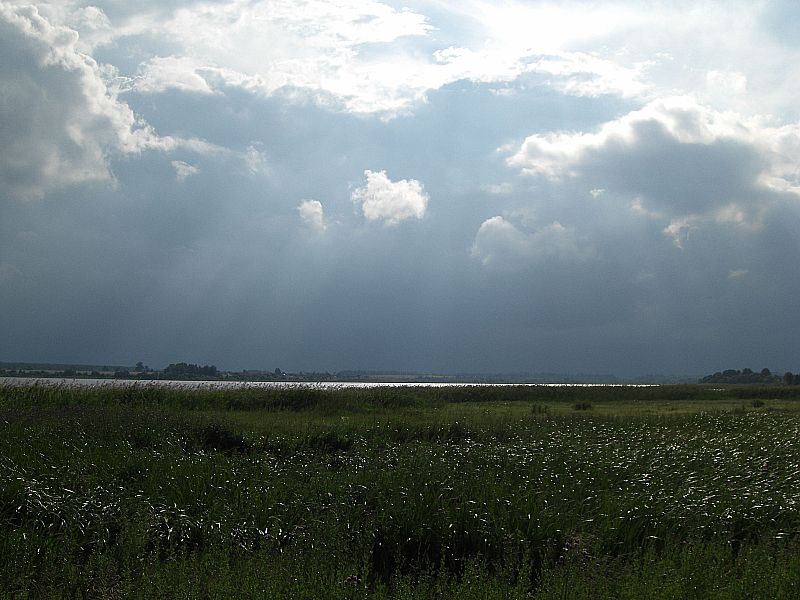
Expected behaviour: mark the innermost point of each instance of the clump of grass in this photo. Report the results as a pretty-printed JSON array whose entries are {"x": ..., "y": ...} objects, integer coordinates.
[
  {"x": 582, "y": 406},
  {"x": 756, "y": 403},
  {"x": 216, "y": 437}
]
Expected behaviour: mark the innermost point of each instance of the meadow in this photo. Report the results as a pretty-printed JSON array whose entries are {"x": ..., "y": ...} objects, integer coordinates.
[{"x": 455, "y": 492}]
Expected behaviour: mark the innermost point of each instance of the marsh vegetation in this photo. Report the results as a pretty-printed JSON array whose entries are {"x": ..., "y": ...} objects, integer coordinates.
[{"x": 512, "y": 492}]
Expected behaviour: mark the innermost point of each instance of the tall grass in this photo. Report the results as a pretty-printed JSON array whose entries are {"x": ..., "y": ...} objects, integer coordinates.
[
  {"x": 297, "y": 398},
  {"x": 392, "y": 493}
]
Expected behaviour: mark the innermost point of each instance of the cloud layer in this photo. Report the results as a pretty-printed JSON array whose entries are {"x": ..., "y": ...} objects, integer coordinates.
[{"x": 481, "y": 186}]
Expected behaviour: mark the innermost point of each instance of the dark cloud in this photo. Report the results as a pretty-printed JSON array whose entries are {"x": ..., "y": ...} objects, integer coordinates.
[
  {"x": 655, "y": 245},
  {"x": 672, "y": 176},
  {"x": 218, "y": 267}
]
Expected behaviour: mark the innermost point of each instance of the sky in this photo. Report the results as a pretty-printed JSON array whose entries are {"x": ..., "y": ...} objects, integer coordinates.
[{"x": 470, "y": 186}]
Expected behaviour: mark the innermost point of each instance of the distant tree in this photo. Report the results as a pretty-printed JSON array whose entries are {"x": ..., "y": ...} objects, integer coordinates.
[
  {"x": 745, "y": 376},
  {"x": 186, "y": 370},
  {"x": 788, "y": 378},
  {"x": 139, "y": 366},
  {"x": 174, "y": 369}
]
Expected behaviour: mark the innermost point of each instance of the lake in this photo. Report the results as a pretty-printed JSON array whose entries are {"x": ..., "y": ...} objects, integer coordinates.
[{"x": 278, "y": 384}]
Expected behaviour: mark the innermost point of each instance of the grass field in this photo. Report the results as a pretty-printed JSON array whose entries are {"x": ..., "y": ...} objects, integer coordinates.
[{"x": 464, "y": 492}]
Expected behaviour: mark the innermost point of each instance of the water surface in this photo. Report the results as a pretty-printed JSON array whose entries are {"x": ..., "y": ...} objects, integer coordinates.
[{"x": 88, "y": 382}]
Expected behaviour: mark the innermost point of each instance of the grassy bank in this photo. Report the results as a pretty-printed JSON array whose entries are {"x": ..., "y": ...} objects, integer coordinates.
[{"x": 511, "y": 492}]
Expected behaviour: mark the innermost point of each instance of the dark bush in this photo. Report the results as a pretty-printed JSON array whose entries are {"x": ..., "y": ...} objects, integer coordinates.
[{"x": 214, "y": 437}]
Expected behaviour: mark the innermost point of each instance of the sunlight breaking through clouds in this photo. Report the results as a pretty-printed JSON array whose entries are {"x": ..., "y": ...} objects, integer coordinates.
[{"x": 553, "y": 175}]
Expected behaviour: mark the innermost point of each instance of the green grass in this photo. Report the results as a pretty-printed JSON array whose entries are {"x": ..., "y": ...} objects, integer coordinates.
[{"x": 142, "y": 492}]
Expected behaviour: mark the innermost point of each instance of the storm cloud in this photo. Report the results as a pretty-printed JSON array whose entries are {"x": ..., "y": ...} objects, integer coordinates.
[{"x": 525, "y": 186}]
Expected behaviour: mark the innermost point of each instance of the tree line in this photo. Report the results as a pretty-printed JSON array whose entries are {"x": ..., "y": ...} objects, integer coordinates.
[
  {"x": 790, "y": 378},
  {"x": 183, "y": 369},
  {"x": 763, "y": 377}
]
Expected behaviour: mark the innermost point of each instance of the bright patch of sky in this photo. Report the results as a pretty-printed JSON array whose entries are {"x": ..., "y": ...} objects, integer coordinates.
[{"x": 452, "y": 186}]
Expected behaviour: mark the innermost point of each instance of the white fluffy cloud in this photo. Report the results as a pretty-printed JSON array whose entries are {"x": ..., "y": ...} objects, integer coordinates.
[
  {"x": 677, "y": 160},
  {"x": 559, "y": 154},
  {"x": 312, "y": 45},
  {"x": 312, "y": 214},
  {"x": 382, "y": 199},
  {"x": 59, "y": 118},
  {"x": 369, "y": 57},
  {"x": 164, "y": 72},
  {"x": 499, "y": 243},
  {"x": 62, "y": 118}
]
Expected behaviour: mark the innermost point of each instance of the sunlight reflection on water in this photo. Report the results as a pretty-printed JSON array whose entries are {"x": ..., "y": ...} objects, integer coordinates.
[{"x": 284, "y": 384}]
